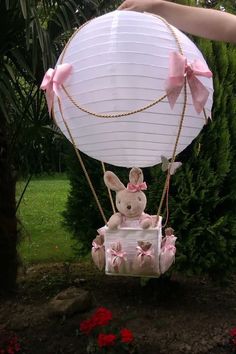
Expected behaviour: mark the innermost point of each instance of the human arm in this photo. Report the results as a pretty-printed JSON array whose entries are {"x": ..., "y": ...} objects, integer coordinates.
[{"x": 207, "y": 23}]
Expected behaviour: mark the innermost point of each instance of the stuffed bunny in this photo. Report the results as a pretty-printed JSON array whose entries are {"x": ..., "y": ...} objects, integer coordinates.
[{"x": 130, "y": 202}]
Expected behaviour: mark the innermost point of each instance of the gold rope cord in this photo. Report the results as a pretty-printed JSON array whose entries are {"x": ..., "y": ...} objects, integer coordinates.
[
  {"x": 113, "y": 115},
  {"x": 167, "y": 181},
  {"x": 125, "y": 114},
  {"x": 109, "y": 191},
  {"x": 82, "y": 164}
]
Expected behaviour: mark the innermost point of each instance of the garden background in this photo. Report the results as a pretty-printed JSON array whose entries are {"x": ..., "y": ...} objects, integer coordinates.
[{"x": 48, "y": 217}]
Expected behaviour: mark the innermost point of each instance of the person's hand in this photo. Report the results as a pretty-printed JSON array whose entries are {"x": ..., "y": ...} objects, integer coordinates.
[{"x": 140, "y": 5}]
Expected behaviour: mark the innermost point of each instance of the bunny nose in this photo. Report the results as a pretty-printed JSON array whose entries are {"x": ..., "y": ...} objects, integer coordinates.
[{"x": 129, "y": 207}]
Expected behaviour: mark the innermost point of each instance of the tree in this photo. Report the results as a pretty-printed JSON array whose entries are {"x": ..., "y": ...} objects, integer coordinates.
[{"x": 223, "y": 5}]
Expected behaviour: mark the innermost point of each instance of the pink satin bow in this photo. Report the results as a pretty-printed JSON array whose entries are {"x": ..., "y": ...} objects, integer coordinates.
[
  {"x": 178, "y": 70},
  {"x": 96, "y": 247},
  {"x": 52, "y": 81},
  {"x": 136, "y": 187},
  {"x": 141, "y": 253},
  {"x": 118, "y": 256}
]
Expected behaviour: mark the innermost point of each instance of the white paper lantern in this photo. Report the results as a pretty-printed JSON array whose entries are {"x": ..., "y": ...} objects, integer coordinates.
[{"x": 120, "y": 63}]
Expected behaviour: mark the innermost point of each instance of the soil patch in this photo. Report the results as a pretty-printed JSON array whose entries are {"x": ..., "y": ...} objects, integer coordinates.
[{"x": 167, "y": 316}]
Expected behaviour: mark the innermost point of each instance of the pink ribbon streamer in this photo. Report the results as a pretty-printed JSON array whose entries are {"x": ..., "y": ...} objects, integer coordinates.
[
  {"x": 52, "y": 81},
  {"x": 178, "y": 70},
  {"x": 141, "y": 254},
  {"x": 136, "y": 187}
]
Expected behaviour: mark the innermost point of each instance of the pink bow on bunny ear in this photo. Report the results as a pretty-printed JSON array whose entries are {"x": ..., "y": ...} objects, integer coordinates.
[
  {"x": 136, "y": 183},
  {"x": 136, "y": 187}
]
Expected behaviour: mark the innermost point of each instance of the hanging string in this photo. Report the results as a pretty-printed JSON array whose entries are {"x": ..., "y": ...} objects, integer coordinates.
[
  {"x": 174, "y": 151},
  {"x": 205, "y": 116},
  {"x": 82, "y": 164},
  {"x": 167, "y": 203},
  {"x": 109, "y": 191}
]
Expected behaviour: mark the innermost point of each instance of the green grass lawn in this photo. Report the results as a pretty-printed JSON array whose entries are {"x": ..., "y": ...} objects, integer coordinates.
[{"x": 44, "y": 238}]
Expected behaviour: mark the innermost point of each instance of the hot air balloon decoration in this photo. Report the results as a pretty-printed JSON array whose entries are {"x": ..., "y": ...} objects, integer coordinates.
[{"x": 130, "y": 90}]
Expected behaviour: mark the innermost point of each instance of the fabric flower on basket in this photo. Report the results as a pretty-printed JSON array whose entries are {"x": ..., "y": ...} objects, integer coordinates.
[
  {"x": 98, "y": 252},
  {"x": 168, "y": 250},
  {"x": 117, "y": 259},
  {"x": 144, "y": 261}
]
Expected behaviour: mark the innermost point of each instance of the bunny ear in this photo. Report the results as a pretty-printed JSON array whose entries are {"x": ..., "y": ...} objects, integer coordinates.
[
  {"x": 136, "y": 175},
  {"x": 113, "y": 182}
]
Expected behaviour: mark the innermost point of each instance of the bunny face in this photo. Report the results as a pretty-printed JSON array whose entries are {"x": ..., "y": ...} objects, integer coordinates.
[
  {"x": 130, "y": 201},
  {"x": 130, "y": 204}
]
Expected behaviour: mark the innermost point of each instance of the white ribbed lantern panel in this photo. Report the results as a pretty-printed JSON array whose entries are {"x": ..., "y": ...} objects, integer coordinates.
[{"x": 119, "y": 64}]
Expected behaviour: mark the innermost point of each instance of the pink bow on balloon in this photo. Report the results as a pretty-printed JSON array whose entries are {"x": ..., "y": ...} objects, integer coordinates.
[
  {"x": 178, "y": 70},
  {"x": 52, "y": 81},
  {"x": 136, "y": 187}
]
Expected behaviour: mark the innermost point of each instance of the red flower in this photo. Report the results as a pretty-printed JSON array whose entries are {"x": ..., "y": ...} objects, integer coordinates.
[
  {"x": 102, "y": 316},
  {"x": 126, "y": 335},
  {"x": 233, "y": 332},
  {"x": 106, "y": 340},
  {"x": 87, "y": 326}
]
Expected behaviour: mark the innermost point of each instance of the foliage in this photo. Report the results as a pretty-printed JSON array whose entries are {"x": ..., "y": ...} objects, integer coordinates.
[{"x": 223, "y": 5}]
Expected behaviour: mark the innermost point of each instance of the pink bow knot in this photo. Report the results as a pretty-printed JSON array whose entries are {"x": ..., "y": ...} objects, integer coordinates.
[
  {"x": 136, "y": 187},
  {"x": 52, "y": 81},
  {"x": 118, "y": 256},
  {"x": 180, "y": 70},
  {"x": 141, "y": 253},
  {"x": 96, "y": 247}
]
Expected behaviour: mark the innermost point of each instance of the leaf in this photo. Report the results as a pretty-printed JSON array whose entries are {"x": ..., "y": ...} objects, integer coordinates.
[
  {"x": 24, "y": 8},
  {"x": 20, "y": 62},
  {"x": 10, "y": 71}
]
